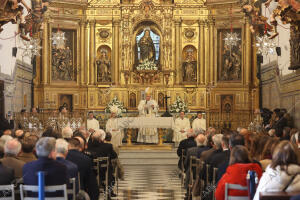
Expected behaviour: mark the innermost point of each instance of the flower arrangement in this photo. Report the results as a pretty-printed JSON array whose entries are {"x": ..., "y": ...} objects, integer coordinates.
[
  {"x": 179, "y": 106},
  {"x": 116, "y": 106},
  {"x": 147, "y": 65}
]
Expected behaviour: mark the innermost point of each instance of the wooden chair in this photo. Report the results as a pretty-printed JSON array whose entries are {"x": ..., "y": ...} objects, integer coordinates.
[
  {"x": 277, "y": 195},
  {"x": 229, "y": 186},
  {"x": 207, "y": 175},
  {"x": 73, "y": 190},
  {"x": 192, "y": 175},
  {"x": 34, "y": 188},
  {"x": 183, "y": 157},
  {"x": 7, "y": 192},
  {"x": 102, "y": 162},
  {"x": 214, "y": 181}
]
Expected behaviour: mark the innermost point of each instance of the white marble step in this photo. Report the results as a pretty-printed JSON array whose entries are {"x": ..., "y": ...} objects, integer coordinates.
[{"x": 148, "y": 157}]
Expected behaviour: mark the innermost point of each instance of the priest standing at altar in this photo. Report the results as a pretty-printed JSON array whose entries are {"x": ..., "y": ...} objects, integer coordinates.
[{"x": 148, "y": 108}]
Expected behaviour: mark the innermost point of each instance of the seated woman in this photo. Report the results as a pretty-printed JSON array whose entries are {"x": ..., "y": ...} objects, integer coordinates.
[
  {"x": 239, "y": 165},
  {"x": 266, "y": 157},
  {"x": 283, "y": 174}
]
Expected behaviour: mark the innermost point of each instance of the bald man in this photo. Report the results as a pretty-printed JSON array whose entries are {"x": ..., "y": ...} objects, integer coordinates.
[{"x": 12, "y": 149}]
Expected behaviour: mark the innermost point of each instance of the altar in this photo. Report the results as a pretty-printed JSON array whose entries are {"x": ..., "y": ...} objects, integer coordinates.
[{"x": 161, "y": 123}]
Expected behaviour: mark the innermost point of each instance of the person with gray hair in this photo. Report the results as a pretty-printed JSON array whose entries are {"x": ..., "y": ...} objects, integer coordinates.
[
  {"x": 67, "y": 132},
  {"x": 55, "y": 172},
  {"x": 61, "y": 148},
  {"x": 12, "y": 149}
]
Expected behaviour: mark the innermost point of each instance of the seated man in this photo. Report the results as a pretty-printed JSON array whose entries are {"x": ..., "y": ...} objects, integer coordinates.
[
  {"x": 12, "y": 149},
  {"x": 182, "y": 125},
  {"x": 67, "y": 132},
  {"x": 55, "y": 172},
  {"x": 27, "y": 154},
  {"x": 6, "y": 174},
  {"x": 101, "y": 149},
  {"x": 87, "y": 177}
]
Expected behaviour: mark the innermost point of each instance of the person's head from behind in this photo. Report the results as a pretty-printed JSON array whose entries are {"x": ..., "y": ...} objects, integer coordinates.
[
  {"x": 99, "y": 136},
  {"x": 201, "y": 139},
  {"x": 67, "y": 132},
  {"x": 285, "y": 153},
  {"x": 269, "y": 148},
  {"x": 217, "y": 141},
  {"x": 108, "y": 137},
  {"x": 19, "y": 133},
  {"x": 28, "y": 144},
  {"x": 225, "y": 141},
  {"x": 45, "y": 147},
  {"x": 61, "y": 148},
  {"x": 74, "y": 144},
  {"x": 12, "y": 148},
  {"x": 211, "y": 130},
  {"x": 63, "y": 109},
  {"x": 7, "y": 132},
  {"x": 191, "y": 133},
  {"x": 236, "y": 139},
  {"x": 239, "y": 154},
  {"x": 81, "y": 143}
]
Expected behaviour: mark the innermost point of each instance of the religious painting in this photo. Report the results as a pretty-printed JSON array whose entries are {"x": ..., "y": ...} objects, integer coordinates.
[
  {"x": 229, "y": 57},
  {"x": 147, "y": 49},
  {"x": 103, "y": 64},
  {"x": 66, "y": 100},
  {"x": 227, "y": 103},
  {"x": 132, "y": 100},
  {"x": 63, "y": 57},
  {"x": 189, "y": 64},
  {"x": 161, "y": 100}
]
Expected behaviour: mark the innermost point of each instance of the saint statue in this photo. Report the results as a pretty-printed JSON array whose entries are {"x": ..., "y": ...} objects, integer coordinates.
[
  {"x": 103, "y": 67},
  {"x": 147, "y": 49},
  {"x": 148, "y": 108},
  {"x": 189, "y": 66}
]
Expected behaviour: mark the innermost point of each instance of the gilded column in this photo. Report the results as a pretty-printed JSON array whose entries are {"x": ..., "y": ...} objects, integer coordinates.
[
  {"x": 206, "y": 53},
  {"x": 86, "y": 54},
  {"x": 92, "y": 52},
  {"x": 211, "y": 50},
  {"x": 248, "y": 52},
  {"x": 45, "y": 52},
  {"x": 201, "y": 53},
  {"x": 82, "y": 49},
  {"x": 116, "y": 50},
  {"x": 177, "y": 51}
]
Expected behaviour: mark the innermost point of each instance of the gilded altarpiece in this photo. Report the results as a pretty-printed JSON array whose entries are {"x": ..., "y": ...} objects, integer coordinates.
[{"x": 122, "y": 47}]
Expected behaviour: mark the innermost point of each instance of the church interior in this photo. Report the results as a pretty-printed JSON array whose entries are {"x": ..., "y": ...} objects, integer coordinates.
[{"x": 150, "y": 99}]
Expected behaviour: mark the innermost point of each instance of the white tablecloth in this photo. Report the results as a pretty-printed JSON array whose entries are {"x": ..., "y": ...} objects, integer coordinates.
[{"x": 145, "y": 122}]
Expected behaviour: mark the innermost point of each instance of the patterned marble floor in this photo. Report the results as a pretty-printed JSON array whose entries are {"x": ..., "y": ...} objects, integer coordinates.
[{"x": 154, "y": 182}]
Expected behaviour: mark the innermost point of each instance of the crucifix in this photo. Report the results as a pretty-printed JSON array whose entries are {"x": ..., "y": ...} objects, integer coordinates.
[{"x": 166, "y": 114}]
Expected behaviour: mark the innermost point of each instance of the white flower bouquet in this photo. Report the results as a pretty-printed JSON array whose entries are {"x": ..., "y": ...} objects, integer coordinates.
[
  {"x": 179, "y": 106},
  {"x": 116, "y": 106}
]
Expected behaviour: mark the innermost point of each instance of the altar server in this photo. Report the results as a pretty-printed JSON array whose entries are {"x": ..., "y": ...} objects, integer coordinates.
[
  {"x": 117, "y": 133},
  {"x": 92, "y": 124},
  {"x": 148, "y": 108},
  {"x": 199, "y": 123},
  {"x": 182, "y": 125}
]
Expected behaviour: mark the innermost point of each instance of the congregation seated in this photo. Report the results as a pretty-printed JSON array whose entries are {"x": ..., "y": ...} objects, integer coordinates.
[
  {"x": 19, "y": 134},
  {"x": 184, "y": 145},
  {"x": 84, "y": 163},
  {"x": 217, "y": 158},
  {"x": 239, "y": 165},
  {"x": 12, "y": 148},
  {"x": 55, "y": 172},
  {"x": 283, "y": 174},
  {"x": 27, "y": 153}
]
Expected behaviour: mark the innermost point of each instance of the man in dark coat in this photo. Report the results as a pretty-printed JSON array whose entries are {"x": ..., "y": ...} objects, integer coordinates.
[
  {"x": 185, "y": 145},
  {"x": 6, "y": 174},
  {"x": 87, "y": 177}
]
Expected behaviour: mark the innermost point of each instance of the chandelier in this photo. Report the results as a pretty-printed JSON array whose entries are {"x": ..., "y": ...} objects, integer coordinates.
[
  {"x": 32, "y": 47},
  {"x": 231, "y": 39},
  {"x": 59, "y": 39}
]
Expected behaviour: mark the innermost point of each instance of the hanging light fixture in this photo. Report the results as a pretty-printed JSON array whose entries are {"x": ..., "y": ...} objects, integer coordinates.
[
  {"x": 32, "y": 47},
  {"x": 231, "y": 39},
  {"x": 58, "y": 38}
]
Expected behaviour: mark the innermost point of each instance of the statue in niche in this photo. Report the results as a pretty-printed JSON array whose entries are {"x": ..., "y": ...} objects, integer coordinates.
[
  {"x": 62, "y": 64},
  {"x": 147, "y": 49},
  {"x": 132, "y": 100},
  {"x": 103, "y": 67},
  {"x": 189, "y": 66},
  {"x": 161, "y": 100}
]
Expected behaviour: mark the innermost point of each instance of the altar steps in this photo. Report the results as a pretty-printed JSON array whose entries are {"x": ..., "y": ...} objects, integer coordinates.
[{"x": 148, "y": 157}]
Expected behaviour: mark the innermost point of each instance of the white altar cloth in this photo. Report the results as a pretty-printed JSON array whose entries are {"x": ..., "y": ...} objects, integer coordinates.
[{"x": 145, "y": 122}]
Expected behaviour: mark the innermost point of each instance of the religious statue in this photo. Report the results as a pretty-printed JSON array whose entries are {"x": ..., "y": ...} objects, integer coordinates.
[
  {"x": 148, "y": 108},
  {"x": 103, "y": 67},
  {"x": 132, "y": 100},
  {"x": 62, "y": 64},
  {"x": 147, "y": 49},
  {"x": 189, "y": 66}
]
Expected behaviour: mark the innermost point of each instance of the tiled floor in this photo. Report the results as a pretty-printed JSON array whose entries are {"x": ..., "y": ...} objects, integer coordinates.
[{"x": 148, "y": 182}]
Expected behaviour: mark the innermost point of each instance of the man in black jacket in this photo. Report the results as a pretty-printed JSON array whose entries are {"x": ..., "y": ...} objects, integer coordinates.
[
  {"x": 98, "y": 148},
  {"x": 6, "y": 174},
  {"x": 185, "y": 145},
  {"x": 87, "y": 176}
]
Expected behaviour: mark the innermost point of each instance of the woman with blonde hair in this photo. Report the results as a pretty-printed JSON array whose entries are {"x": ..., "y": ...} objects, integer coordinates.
[{"x": 283, "y": 174}]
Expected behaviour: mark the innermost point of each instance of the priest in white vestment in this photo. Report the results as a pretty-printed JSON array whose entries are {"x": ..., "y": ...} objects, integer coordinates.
[
  {"x": 182, "y": 125},
  {"x": 199, "y": 124},
  {"x": 92, "y": 124},
  {"x": 148, "y": 108},
  {"x": 117, "y": 133}
]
